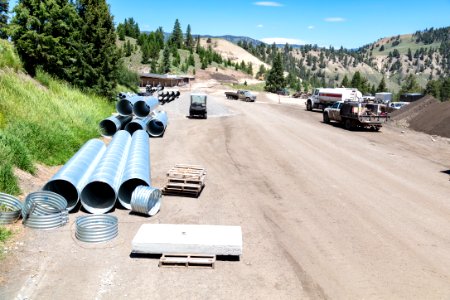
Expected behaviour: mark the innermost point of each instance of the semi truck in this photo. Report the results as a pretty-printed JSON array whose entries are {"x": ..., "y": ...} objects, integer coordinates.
[
  {"x": 241, "y": 95},
  {"x": 321, "y": 98}
]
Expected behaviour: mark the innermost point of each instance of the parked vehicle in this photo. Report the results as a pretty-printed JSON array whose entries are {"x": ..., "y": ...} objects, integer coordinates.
[
  {"x": 241, "y": 95},
  {"x": 397, "y": 105},
  {"x": 198, "y": 106},
  {"x": 410, "y": 97},
  {"x": 383, "y": 97},
  {"x": 354, "y": 114},
  {"x": 324, "y": 97},
  {"x": 284, "y": 92}
]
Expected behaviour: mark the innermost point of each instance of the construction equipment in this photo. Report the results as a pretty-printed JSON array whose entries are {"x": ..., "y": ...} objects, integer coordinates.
[{"x": 198, "y": 106}]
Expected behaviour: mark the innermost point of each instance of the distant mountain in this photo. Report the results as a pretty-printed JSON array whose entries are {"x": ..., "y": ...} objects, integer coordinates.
[{"x": 234, "y": 39}]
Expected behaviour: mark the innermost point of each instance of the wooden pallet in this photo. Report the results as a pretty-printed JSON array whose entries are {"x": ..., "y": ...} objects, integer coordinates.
[
  {"x": 187, "y": 260},
  {"x": 185, "y": 179}
]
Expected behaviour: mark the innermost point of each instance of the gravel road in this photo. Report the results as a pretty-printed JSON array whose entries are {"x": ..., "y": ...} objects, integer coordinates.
[{"x": 325, "y": 213}]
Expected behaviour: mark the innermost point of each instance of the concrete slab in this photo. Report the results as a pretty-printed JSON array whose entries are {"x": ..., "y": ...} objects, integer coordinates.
[{"x": 194, "y": 239}]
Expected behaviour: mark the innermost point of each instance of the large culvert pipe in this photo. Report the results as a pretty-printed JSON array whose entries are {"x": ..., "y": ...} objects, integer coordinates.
[
  {"x": 137, "y": 124},
  {"x": 157, "y": 124},
  {"x": 109, "y": 126},
  {"x": 72, "y": 177},
  {"x": 137, "y": 171},
  {"x": 125, "y": 106},
  {"x": 144, "y": 106},
  {"x": 100, "y": 193}
]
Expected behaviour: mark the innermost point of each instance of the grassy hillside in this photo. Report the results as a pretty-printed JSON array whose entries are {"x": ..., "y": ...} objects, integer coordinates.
[
  {"x": 404, "y": 42},
  {"x": 41, "y": 120}
]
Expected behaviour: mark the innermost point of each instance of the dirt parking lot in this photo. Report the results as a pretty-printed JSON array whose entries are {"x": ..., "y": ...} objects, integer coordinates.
[{"x": 325, "y": 213}]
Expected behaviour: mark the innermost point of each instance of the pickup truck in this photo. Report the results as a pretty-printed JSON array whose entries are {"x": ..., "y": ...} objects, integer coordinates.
[
  {"x": 354, "y": 114},
  {"x": 241, "y": 95}
]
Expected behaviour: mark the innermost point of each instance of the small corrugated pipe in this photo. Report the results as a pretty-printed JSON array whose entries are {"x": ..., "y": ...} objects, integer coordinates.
[
  {"x": 123, "y": 95},
  {"x": 109, "y": 126},
  {"x": 144, "y": 106},
  {"x": 100, "y": 193},
  {"x": 44, "y": 210},
  {"x": 158, "y": 123},
  {"x": 146, "y": 200},
  {"x": 71, "y": 178},
  {"x": 137, "y": 171},
  {"x": 137, "y": 124},
  {"x": 124, "y": 106},
  {"x": 96, "y": 228},
  {"x": 13, "y": 207}
]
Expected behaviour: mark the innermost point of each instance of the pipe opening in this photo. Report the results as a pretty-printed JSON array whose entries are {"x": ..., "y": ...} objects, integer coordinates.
[
  {"x": 126, "y": 190},
  {"x": 141, "y": 109},
  {"x": 155, "y": 128},
  {"x": 132, "y": 127},
  {"x": 108, "y": 127},
  {"x": 98, "y": 197},
  {"x": 124, "y": 107},
  {"x": 65, "y": 189}
]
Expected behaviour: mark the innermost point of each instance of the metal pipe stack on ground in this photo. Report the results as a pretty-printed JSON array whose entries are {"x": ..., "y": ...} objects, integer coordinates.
[
  {"x": 137, "y": 124},
  {"x": 96, "y": 228},
  {"x": 146, "y": 200},
  {"x": 137, "y": 171},
  {"x": 111, "y": 125},
  {"x": 144, "y": 106},
  {"x": 157, "y": 125},
  {"x": 125, "y": 106},
  {"x": 13, "y": 208},
  {"x": 71, "y": 178},
  {"x": 45, "y": 210},
  {"x": 100, "y": 193}
]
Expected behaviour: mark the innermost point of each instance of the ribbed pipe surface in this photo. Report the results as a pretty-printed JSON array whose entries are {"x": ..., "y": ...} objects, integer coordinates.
[
  {"x": 72, "y": 177},
  {"x": 100, "y": 193},
  {"x": 144, "y": 106},
  {"x": 14, "y": 207},
  {"x": 146, "y": 200},
  {"x": 137, "y": 171},
  {"x": 96, "y": 228},
  {"x": 124, "y": 106},
  {"x": 109, "y": 126},
  {"x": 45, "y": 210},
  {"x": 137, "y": 124},
  {"x": 157, "y": 125}
]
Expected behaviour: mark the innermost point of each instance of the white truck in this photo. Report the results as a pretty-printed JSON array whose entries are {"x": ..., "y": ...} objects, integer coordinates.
[
  {"x": 383, "y": 97},
  {"x": 324, "y": 97}
]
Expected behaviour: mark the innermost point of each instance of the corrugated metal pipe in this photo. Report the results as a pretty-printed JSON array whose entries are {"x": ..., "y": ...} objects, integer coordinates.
[
  {"x": 123, "y": 95},
  {"x": 109, "y": 126},
  {"x": 137, "y": 124},
  {"x": 137, "y": 171},
  {"x": 72, "y": 177},
  {"x": 157, "y": 125},
  {"x": 100, "y": 193},
  {"x": 45, "y": 210},
  {"x": 10, "y": 209},
  {"x": 124, "y": 106},
  {"x": 146, "y": 200},
  {"x": 96, "y": 228},
  {"x": 144, "y": 106}
]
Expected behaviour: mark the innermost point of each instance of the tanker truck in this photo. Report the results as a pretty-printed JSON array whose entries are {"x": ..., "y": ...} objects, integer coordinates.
[{"x": 324, "y": 97}]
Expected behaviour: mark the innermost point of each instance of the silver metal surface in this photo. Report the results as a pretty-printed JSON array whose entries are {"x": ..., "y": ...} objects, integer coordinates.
[
  {"x": 137, "y": 124},
  {"x": 137, "y": 170},
  {"x": 109, "y": 126},
  {"x": 100, "y": 192},
  {"x": 124, "y": 106},
  {"x": 96, "y": 228},
  {"x": 45, "y": 210},
  {"x": 13, "y": 205},
  {"x": 72, "y": 177},
  {"x": 158, "y": 123},
  {"x": 144, "y": 106},
  {"x": 146, "y": 200}
]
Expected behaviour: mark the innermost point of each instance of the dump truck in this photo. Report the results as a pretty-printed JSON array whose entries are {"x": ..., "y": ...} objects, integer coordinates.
[
  {"x": 241, "y": 95},
  {"x": 321, "y": 98},
  {"x": 355, "y": 114}
]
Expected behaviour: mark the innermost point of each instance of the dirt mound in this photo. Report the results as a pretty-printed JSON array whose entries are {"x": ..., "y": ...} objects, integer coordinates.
[{"x": 426, "y": 115}]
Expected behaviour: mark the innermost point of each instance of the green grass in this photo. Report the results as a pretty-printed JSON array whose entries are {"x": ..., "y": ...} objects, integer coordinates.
[
  {"x": 8, "y": 56},
  {"x": 406, "y": 42},
  {"x": 257, "y": 87},
  {"x": 4, "y": 234},
  {"x": 42, "y": 120}
]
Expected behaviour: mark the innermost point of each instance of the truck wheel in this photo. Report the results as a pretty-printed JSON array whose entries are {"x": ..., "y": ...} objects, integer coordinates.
[
  {"x": 326, "y": 118},
  {"x": 309, "y": 106},
  {"x": 247, "y": 99},
  {"x": 348, "y": 124},
  {"x": 205, "y": 116}
]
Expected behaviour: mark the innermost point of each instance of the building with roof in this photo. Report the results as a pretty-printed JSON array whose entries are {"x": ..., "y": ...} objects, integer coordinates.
[{"x": 166, "y": 80}]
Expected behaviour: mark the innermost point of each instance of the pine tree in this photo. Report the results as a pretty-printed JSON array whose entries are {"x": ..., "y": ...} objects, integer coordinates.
[
  {"x": 345, "y": 82},
  {"x": 189, "y": 38},
  {"x": 145, "y": 49},
  {"x": 250, "y": 68},
  {"x": 198, "y": 47},
  {"x": 410, "y": 54},
  {"x": 176, "y": 38},
  {"x": 166, "y": 60},
  {"x": 4, "y": 5},
  {"x": 128, "y": 49},
  {"x": 121, "y": 32},
  {"x": 410, "y": 85},
  {"x": 382, "y": 86},
  {"x": 275, "y": 79},
  {"x": 191, "y": 60}
]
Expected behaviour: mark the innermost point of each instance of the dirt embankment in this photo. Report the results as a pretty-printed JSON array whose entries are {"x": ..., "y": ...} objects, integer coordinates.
[{"x": 426, "y": 115}]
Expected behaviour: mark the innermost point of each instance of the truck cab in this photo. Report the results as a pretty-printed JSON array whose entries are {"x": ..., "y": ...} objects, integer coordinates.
[{"x": 333, "y": 112}]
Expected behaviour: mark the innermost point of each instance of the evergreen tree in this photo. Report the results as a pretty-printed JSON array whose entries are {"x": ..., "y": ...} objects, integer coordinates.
[
  {"x": 433, "y": 88},
  {"x": 98, "y": 59},
  {"x": 261, "y": 71},
  {"x": 189, "y": 38},
  {"x": 198, "y": 47},
  {"x": 176, "y": 38},
  {"x": 382, "y": 86},
  {"x": 121, "y": 32},
  {"x": 250, "y": 68},
  {"x": 4, "y": 5},
  {"x": 145, "y": 49},
  {"x": 191, "y": 60},
  {"x": 128, "y": 49},
  {"x": 445, "y": 89},
  {"x": 345, "y": 82},
  {"x": 275, "y": 79},
  {"x": 382, "y": 48},
  {"x": 410, "y": 85},
  {"x": 410, "y": 57},
  {"x": 166, "y": 60}
]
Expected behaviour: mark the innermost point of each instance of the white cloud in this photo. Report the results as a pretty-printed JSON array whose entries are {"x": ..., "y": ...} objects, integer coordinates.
[
  {"x": 146, "y": 26},
  {"x": 334, "y": 19},
  {"x": 280, "y": 40},
  {"x": 310, "y": 27},
  {"x": 268, "y": 3},
  {"x": 260, "y": 25}
]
